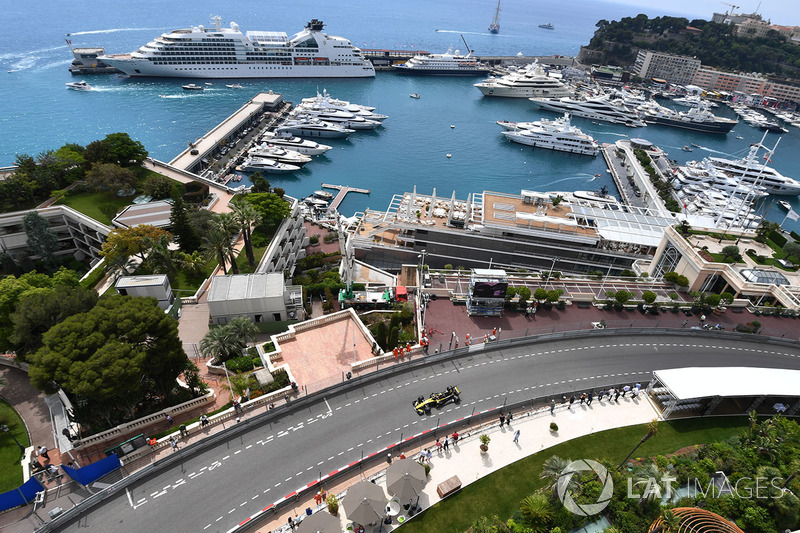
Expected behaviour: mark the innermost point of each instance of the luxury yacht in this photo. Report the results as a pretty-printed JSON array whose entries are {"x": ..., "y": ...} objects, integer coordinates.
[
  {"x": 529, "y": 82},
  {"x": 448, "y": 64},
  {"x": 697, "y": 118},
  {"x": 596, "y": 108},
  {"x": 264, "y": 164},
  {"x": 556, "y": 134},
  {"x": 323, "y": 102},
  {"x": 313, "y": 128},
  {"x": 303, "y": 146},
  {"x": 336, "y": 117},
  {"x": 279, "y": 154}
]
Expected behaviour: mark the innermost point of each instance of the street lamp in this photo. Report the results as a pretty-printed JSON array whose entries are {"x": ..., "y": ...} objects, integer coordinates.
[
  {"x": 421, "y": 258},
  {"x": 6, "y": 429},
  {"x": 550, "y": 275}
]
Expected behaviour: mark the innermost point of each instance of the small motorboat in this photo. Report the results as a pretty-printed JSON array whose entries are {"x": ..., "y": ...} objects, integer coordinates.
[
  {"x": 209, "y": 83},
  {"x": 192, "y": 87},
  {"x": 597, "y": 175},
  {"x": 234, "y": 86},
  {"x": 79, "y": 86},
  {"x": 696, "y": 145},
  {"x": 547, "y": 26},
  {"x": 686, "y": 148},
  {"x": 786, "y": 205},
  {"x": 739, "y": 137},
  {"x": 414, "y": 95}
]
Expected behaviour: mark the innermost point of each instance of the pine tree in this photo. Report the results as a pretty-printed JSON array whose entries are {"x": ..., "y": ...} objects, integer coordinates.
[{"x": 183, "y": 231}]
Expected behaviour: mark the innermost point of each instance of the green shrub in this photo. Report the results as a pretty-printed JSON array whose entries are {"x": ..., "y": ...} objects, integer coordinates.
[
  {"x": 777, "y": 238},
  {"x": 314, "y": 239},
  {"x": 94, "y": 278},
  {"x": 239, "y": 364},
  {"x": 280, "y": 380}
]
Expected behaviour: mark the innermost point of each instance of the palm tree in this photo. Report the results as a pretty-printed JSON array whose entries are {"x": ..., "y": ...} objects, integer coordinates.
[
  {"x": 221, "y": 343},
  {"x": 244, "y": 329},
  {"x": 240, "y": 382},
  {"x": 537, "y": 512},
  {"x": 652, "y": 430},
  {"x": 552, "y": 470},
  {"x": 193, "y": 262},
  {"x": 247, "y": 217},
  {"x": 644, "y": 477},
  {"x": 227, "y": 224},
  {"x": 218, "y": 242},
  {"x": 160, "y": 258},
  {"x": 668, "y": 522}
]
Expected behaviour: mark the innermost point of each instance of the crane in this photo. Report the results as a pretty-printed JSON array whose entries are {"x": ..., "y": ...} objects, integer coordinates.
[{"x": 733, "y": 7}]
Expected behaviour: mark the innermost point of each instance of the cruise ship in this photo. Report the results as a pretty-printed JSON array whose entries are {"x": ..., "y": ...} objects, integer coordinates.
[
  {"x": 529, "y": 82},
  {"x": 750, "y": 171},
  {"x": 448, "y": 64},
  {"x": 696, "y": 119},
  {"x": 218, "y": 52},
  {"x": 556, "y": 134},
  {"x": 596, "y": 108}
]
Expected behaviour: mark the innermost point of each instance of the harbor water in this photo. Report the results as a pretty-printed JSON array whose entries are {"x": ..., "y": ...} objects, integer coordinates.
[{"x": 450, "y": 117}]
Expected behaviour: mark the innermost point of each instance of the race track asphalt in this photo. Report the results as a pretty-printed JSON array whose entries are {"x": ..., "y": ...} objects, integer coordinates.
[{"x": 215, "y": 489}]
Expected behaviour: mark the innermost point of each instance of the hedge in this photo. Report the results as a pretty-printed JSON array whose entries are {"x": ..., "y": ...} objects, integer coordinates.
[
  {"x": 94, "y": 278},
  {"x": 777, "y": 238}
]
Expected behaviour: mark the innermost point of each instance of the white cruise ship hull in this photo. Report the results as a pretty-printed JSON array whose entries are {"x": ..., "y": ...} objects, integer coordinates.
[{"x": 143, "y": 68}]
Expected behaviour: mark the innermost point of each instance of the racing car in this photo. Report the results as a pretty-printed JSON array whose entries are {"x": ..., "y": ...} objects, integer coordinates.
[{"x": 437, "y": 399}]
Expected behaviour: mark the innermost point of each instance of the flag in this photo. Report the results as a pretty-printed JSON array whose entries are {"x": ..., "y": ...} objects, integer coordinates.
[{"x": 793, "y": 215}]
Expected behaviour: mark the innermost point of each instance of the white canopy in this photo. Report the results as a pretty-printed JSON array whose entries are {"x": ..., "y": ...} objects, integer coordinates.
[{"x": 704, "y": 382}]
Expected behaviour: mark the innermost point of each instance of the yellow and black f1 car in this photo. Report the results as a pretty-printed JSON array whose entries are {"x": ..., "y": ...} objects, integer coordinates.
[{"x": 438, "y": 399}]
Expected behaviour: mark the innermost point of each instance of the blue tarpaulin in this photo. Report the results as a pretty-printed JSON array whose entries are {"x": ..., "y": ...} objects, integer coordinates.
[
  {"x": 20, "y": 495},
  {"x": 91, "y": 473}
]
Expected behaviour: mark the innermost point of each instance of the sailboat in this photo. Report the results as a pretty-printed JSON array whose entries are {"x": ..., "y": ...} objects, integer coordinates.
[{"x": 494, "y": 27}]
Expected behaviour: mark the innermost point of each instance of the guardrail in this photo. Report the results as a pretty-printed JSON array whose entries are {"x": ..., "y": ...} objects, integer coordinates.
[{"x": 360, "y": 381}]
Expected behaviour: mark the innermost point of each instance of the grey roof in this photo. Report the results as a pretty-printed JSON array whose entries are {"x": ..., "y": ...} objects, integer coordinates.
[
  {"x": 246, "y": 287},
  {"x": 153, "y": 213},
  {"x": 140, "y": 281}
]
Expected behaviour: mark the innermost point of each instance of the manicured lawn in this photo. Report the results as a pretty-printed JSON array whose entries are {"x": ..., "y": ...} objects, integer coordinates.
[
  {"x": 500, "y": 493},
  {"x": 10, "y": 454},
  {"x": 241, "y": 259},
  {"x": 97, "y": 205}
]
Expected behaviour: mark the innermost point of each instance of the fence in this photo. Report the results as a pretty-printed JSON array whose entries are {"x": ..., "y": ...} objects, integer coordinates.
[{"x": 472, "y": 423}]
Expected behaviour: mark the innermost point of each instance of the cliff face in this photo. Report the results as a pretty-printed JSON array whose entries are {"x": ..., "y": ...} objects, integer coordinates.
[{"x": 714, "y": 44}]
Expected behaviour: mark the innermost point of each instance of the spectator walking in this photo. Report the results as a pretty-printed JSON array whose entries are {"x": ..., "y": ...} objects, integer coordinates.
[
  {"x": 389, "y": 458},
  {"x": 533, "y": 312},
  {"x": 528, "y": 311},
  {"x": 291, "y": 523},
  {"x": 183, "y": 431},
  {"x": 43, "y": 452},
  {"x": 571, "y": 401},
  {"x": 702, "y": 320},
  {"x": 428, "y": 454},
  {"x": 174, "y": 443},
  {"x": 455, "y": 437},
  {"x": 67, "y": 434},
  {"x": 552, "y": 406},
  {"x": 516, "y": 437},
  {"x": 625, "y": 390},
  {"x": 583, "y": 398},
  {"x": 616, "y": 396},
  {"x": 446, "y": 444},
  {"x": 169, "y": 421},
  {"x": 611, "y": 392},
  {"x": 203, "y": 421},
  {"x": 439, "y": 446},
  {"x": 589, "y": 398},
  {"x": 508, "y": 418},
  {"x": 502, "y": 419}
]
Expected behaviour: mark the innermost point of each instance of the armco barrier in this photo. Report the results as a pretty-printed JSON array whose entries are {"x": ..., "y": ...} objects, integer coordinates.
[{"x": 359, "y": 381}]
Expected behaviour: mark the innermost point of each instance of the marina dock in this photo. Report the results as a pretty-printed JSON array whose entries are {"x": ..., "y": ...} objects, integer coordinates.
[{"x": 343, "y": 190}]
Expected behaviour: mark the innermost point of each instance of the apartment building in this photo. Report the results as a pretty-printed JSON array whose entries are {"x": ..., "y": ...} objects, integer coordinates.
[{"x": 675, "y": 69}]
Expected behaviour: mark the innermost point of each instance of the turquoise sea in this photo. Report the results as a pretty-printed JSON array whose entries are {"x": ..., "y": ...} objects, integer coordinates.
[{"x": 38, "y": 113}]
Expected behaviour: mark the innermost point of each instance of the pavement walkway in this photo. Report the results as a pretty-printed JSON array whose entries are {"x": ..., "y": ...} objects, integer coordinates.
[{"x": 465, "y": 460}]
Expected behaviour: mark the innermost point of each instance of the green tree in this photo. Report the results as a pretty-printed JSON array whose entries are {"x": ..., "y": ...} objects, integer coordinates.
[
  {"x": 713, "y": 300},
  {"x": 381, "y": 335},
  {"x": 218, "y": 243},
  {"x": 160, "y": 187},
  {"x": 110, "y": 177},
  {"x": 552, "y": 470},
  {"x": 193, "y": 263},
  {"x": 260, "y": 183},
  {"x": 221, "y": 343},
  {"x": 792, "y": 249},
  {"x": 42, "y": 241},
  {"x": 540, "y": 294},
  {"x": 649, "y": 297},
  {"x": 553, "y": 295},
  {"x": 244, "y": 329},
  {"x": 394, "y": 336},
  {"x": 247, "y": 217},
  {"x": 726, "y": 298},
  {"x": 524, "y": 295},
  {"x": 272, "y": 208},
  {"x": 510, "y": 293},
  {"x": 537, "y": 512},
  {"x": 121, "y": 350},
  {"x": 731, "y": 253},
  {"x": 129, "y": 242},
  {"x": 40, "y": 310},
  {"x": 180, "y": 226},
  {"x": 226, "y": 222},
  {"x": 123, "y": 150}
]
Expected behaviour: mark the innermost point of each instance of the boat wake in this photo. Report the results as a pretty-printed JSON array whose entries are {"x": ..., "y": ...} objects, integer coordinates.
[
  {"x": 26, "y": 60},
  {"x": 466, "y": 32},
  {"x": 571, "y": 178},
  {"x": 54, "y": 64},
  {"x": 111, "y": 30}
]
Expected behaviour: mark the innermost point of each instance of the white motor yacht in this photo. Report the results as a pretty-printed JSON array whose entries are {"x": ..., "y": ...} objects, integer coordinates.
[
  {"x": 448, "y": 64},
  {"x": 79, "y": 86},
  {"x": 265, "y": 164},
  {"x": 596, "y": 108},
  {"x": 323, "y": 102},
  {"x": 556, "y": 134},
  {"x": 529, "y": 82},
  {"x": 311, "y": 127},
  {"x": 336, "y": 101},
  {"x": 339, "y": 118},
  {"x": 280, "y": 154},
  {"x": 303, "y": 146},
  {"x": 192, "y": 87}
]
